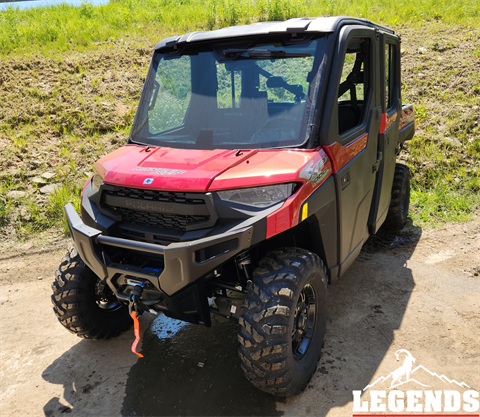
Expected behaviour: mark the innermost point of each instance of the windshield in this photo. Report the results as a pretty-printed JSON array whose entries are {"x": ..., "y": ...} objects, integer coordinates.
[{"x": 215, "y": 96}]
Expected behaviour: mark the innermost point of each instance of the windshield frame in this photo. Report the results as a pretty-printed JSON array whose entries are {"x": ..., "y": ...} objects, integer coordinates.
[{"x": 308, "y": 122}]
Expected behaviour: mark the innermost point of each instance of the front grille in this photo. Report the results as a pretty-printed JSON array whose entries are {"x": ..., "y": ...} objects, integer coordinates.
[
  {"x": 159, "y": 209},
  {"x": 153, "y": 195},
  {"x": 166, "y": 221}
]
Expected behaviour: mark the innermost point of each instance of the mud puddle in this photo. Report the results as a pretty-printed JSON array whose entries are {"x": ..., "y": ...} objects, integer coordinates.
[
  {"x": 164, "y": 327},
  {"x": 192, "y": 370}
]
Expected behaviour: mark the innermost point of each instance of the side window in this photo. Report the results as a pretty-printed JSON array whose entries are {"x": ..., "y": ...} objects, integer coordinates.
[
  {"x": 171, "y": 94},
  {"x": 388, "y": 97},
  {"x": 389, "y": 76},
  {"x": 354, "y": 89}
]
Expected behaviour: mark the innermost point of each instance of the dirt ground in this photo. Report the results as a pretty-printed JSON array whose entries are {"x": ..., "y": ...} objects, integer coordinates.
[{"x": 419, "y": 292}]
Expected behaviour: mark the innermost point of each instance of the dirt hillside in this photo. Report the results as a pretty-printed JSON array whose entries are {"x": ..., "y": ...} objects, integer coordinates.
[{"x": 58, "y": 114}]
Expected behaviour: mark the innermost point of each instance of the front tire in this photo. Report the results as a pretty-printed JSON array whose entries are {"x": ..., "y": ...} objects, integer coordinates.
[
  {"x": 284, "y": 321},
  {"x": 81, "y": 306}
]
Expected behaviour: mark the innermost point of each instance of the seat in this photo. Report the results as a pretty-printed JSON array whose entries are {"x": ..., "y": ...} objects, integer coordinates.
[{"x": 281, "y": 128}]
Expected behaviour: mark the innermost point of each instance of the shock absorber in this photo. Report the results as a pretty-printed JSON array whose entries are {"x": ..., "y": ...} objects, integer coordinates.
[{"x": 244, "y": 262}]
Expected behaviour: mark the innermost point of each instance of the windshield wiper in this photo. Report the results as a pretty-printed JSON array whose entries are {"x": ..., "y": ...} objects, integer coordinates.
[{"x": 261, "y": 53}]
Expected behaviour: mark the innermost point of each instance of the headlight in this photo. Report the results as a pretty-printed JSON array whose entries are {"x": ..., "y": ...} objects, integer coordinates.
[
  {"x": 97, "y": 181},
  {"x": 258, "y": 196}
]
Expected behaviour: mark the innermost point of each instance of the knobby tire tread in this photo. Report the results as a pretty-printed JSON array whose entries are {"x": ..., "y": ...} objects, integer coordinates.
[
  {"x": 74, "y": 302},
  {"x": 265, "y": 336},
  {"x": 396, "y": 218}
]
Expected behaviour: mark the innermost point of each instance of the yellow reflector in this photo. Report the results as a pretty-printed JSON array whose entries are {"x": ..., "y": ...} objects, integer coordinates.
[{"x": 305, "y": 211}]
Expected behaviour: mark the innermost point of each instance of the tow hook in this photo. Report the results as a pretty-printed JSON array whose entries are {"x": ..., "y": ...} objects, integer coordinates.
[
  {"x": 134, "y": 304},
  {"x": 135, "y": 311}
]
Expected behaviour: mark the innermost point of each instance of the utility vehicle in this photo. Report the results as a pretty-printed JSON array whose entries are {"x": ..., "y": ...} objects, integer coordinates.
[{"x": 260, "y": 159}]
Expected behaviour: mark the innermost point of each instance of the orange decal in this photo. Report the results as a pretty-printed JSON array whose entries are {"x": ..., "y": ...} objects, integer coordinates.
[
  {"x": 387, "y": 121},
  {"x": 342, "y": 155}
]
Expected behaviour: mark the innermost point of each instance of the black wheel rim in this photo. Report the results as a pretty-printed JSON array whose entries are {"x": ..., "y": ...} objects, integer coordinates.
[
  {"x": 303, "y": 322},
  {"x": 105, "y": 298}
]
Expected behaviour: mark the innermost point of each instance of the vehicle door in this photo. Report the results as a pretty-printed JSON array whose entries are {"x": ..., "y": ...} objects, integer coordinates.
[
  {"x": 349, "y": 133},
  {"x": 388, "y": 133}
]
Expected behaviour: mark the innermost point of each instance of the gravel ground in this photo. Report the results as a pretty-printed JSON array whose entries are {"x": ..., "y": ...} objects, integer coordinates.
[{"x": 419, "y": 292}]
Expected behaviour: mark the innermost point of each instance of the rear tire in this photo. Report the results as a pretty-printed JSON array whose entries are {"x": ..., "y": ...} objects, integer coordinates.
[
  {"x": 81, "y": 307},
  {"x": 284, "y": 321},
  {"x": 398, "y": 210}
]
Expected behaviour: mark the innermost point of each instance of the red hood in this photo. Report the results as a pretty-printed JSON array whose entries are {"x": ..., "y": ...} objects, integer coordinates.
[{"x": 200, "y": 170}]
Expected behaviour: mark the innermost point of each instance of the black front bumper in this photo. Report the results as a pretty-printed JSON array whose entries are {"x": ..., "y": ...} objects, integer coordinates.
[{"x": 183, "y": 261}]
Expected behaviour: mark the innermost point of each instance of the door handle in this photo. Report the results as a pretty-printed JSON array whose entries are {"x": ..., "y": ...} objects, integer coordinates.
[{"x": 345, "y": 180}]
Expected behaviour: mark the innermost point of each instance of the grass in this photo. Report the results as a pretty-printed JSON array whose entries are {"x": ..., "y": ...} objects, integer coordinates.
[
  {"x": 440, "y": 76},
  {"x": 441, "y": 204},
  {"x": 29, "y": 217},
  {"x": 76, "y": 110},
  {"x": 62, "y": 107},
  {"x": 63, "y": 27},
  {"x": 444, "y": 187}
]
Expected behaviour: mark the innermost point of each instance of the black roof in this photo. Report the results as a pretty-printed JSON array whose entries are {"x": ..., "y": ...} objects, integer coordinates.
[{"x": 298, "y": 25}]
